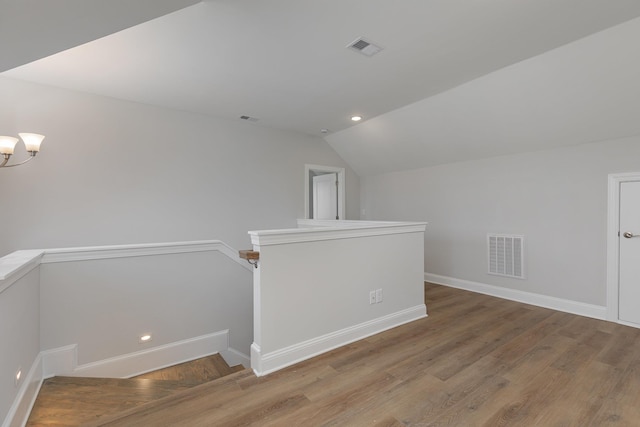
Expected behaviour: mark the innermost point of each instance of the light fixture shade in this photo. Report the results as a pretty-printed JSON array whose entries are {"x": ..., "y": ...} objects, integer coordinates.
[
  {"x": 32, "y": 141},
  {"x": 7, "y": 144}
]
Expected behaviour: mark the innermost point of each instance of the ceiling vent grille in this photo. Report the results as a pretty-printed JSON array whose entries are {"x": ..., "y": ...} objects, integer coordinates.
[
  {"x": 506, "y": 255},
  {"x": 364, "y": 47}
]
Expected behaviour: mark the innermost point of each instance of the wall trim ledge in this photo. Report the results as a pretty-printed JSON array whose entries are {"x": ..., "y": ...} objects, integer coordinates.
[
  {"x": 16, "y": 265},
  {"x": 560, "y": 304},
  {"x": 316, "y": 231},
  {"x": 264, "y": 364},
  {"x": 147, "y": 249}
]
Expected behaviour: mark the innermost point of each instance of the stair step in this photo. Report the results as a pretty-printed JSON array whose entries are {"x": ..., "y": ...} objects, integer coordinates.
[
  {"x": 71, "y": 401},
  {"x": 220, "y": 391},
  {"x": 194, "y": 372}
]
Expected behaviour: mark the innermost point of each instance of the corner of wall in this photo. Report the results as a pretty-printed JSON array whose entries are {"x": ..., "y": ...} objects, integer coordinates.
[
  {"x": 19, "y": 412},
  {"x": 568, "y": 306}
]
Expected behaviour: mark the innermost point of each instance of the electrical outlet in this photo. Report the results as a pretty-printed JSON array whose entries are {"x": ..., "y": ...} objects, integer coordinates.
[
  {"x": 372, "y": 297},
  {"x": 378, "y": 295}
]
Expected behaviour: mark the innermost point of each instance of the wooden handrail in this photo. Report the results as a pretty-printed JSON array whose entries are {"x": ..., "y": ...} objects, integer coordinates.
[{"x": 252, "y": 257}]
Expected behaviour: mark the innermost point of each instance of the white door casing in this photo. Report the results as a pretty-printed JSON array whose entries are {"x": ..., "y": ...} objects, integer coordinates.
[{"x": 623, "y": 254}]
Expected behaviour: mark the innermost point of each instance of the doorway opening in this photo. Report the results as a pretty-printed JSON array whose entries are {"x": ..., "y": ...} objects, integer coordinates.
[
  {"x": 620, "y": 243},
  {"x": 324, "y": 192}
]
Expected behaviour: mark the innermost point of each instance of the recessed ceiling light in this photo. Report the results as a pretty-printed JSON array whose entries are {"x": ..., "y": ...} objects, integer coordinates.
[
  {"x": 145, "y": 338},
  {"x": 324, "y": 130},
  {"x": 356, "y": 118}
]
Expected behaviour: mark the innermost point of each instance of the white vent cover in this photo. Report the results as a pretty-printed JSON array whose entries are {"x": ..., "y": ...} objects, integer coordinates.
[
  {"x": 506, "y": 255},
  {"x": 364, "y": 47}
]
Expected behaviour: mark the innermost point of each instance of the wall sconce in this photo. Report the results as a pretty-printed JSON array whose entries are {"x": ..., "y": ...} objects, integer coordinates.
[{"x": 31, "y": 141}]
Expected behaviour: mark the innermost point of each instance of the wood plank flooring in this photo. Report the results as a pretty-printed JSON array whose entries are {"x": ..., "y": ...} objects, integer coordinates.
[
  {"x": 195, "y": 372},
  {"x": 475, "y": 361},
  {"x": 70, "y": 401}
]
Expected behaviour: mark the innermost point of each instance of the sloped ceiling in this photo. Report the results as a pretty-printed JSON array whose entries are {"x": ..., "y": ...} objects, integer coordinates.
[
  {"x": 443, "y": 88},
  {"x": 583, "y": 92},
  {"x": 34, "y": 29}
]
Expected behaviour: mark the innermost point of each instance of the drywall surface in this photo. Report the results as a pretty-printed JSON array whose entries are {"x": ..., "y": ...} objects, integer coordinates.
[
  {"x": 54, "y": 27},
  {"x": 104, "y": 306},
  {"x": 313, "y": 286},
  {"x": 112, "y": 172},
  {"x": 584, "y": 91},
  {"x": 556, "y": 198},
  {"x": 20, "y": 335}
]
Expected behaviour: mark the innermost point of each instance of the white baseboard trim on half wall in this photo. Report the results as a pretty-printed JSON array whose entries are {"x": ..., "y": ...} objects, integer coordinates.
[
  {"x": 560, "y": 304},
  {"x": 264, "y": 364}
]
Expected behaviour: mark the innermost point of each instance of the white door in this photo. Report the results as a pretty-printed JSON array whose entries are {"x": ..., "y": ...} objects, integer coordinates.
[
  {"x": 629, "y": 278},
  {"x": 325, "y": 196}
]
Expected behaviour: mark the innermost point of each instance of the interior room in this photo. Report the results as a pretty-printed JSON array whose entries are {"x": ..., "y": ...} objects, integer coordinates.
[{"x": 498, "y": 139}]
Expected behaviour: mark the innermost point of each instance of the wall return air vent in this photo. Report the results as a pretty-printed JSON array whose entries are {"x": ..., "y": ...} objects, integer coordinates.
[{"x": 506, "y": 255}]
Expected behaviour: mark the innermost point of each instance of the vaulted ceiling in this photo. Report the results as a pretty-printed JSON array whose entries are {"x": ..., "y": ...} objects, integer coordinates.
[
  {"x": 34, "y": 29},
  {"x": 456, "y": 79}
]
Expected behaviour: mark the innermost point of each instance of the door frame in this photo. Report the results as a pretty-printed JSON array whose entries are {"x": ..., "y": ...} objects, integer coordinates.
[
  {"x": 613, "y": 242},
  {"x": 308, "y": 169}
]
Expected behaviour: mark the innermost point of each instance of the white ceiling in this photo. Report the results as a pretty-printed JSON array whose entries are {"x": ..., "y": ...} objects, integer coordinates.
[
  {"x": 586, "y": 91},
  {"x": 33, "y": 29},
  {"x": 285, "y": 62}
]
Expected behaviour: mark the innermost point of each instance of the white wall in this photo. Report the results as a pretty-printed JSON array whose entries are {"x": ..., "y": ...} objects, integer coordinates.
[
  {"x": 556, "y": 198},
  {"x": 103, "y": 306},
  {"x": 311, "y": 288},
  {"x": 115, "y": 172},
  {"x": 19, "y": 337}
]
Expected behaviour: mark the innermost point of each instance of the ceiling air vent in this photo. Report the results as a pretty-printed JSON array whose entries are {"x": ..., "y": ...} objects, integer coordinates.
[
  {"x": 249, "y": 119},
  {"x": 364, "y": 47}
]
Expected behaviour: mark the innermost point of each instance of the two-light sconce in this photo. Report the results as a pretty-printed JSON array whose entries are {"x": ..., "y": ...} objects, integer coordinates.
[{"x": 31, "y": 141}]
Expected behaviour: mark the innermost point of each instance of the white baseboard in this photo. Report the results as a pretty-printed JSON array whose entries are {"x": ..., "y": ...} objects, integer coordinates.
[
  {"x": 59, "y": 361},
  {"x": 264, "y": 364},
  {"x": 140, "y": 362},
  {"x": 568, "y": 306},
  {"x": 19, "y": 412},
  {"x": 234, "y": 357},
  {"x": 63, "y": 361}
]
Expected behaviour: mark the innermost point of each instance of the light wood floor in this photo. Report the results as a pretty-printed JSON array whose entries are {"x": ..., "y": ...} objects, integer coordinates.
[
  {"x": 475, "y": 361},
  {"x": 70, "y": 401}
]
